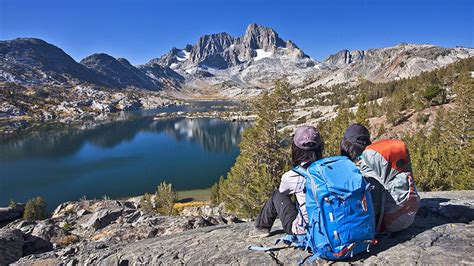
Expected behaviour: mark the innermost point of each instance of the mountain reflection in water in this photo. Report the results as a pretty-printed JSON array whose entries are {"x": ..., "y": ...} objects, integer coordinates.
[
  {"x": 117, "y": 159},
  {"x": 212, "y": 134}
]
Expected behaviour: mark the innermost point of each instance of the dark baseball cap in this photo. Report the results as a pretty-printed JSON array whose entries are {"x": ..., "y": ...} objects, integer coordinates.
[
  {"x": 307, "y": 138},
  {"x": 358, "y": 134},
  {"x": 356, "y": 138}
]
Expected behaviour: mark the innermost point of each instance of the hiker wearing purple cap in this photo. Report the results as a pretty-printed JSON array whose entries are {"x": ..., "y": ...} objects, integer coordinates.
[{"x": 306, "y": 148}]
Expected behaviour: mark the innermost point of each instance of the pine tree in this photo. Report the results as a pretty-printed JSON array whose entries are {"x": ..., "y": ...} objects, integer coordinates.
[
  {"x": 215, "y": 198},
  {"x": 442, "y": 160},
  {"x": 35, "y": 209},
  {"x": 146, "y": 203},
  {"x": 262, "y": 158},
  {"x": 333, "y": 131},
  {"x": 361, "y": 115},
  {"x": 13, "y": 204},
  {"x": 165, "y": 197}
]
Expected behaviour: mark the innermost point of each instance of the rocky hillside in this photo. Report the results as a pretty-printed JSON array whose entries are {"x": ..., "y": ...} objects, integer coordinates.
[
  {"x": 29, "y": 61},
  {"x": 34, "y": 62},
  {"x": 107, "y": 232},
  {"x": 220, "y": 65},
  {"x": 387, "y": 64},
  {"x": 99, "y": 224},
  {"x": 119, "y": 72}
]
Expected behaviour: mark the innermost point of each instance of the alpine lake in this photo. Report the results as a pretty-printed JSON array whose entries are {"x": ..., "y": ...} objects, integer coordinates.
[{"x": 127, "y": 156}]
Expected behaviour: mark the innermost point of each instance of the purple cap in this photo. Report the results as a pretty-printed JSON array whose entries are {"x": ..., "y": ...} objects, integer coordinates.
[{"x": 307, "y": 138}]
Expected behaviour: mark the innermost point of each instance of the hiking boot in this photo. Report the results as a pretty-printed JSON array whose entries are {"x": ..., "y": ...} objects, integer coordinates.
[{"x": 259, "y": 232}]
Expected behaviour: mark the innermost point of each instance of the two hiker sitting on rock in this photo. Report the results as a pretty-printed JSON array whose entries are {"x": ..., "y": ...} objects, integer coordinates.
[{"x": 383, "y": 168}]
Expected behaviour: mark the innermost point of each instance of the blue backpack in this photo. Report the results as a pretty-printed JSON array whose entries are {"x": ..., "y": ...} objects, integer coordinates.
[{"x": 341, "y": 219}]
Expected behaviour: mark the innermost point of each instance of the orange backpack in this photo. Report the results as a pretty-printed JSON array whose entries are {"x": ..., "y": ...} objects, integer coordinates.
[{"x": 386, "y": 164}]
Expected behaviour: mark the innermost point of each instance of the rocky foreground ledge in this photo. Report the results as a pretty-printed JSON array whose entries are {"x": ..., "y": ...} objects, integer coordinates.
[{"x": 443, "y": 233}]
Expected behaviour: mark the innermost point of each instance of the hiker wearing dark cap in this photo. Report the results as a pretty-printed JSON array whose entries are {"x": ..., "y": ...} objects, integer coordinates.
[
  {"x": 356, "y": 138},
  {"x": 306, "y": 148},
  {"x": 386, "y": 166}
]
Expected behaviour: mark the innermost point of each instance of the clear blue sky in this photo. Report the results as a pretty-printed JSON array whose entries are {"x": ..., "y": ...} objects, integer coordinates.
[{"x": 140, "y": 30}]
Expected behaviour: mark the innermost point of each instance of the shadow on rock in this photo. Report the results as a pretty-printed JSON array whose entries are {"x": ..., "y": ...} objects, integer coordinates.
[
  {"x": 35, "y": 245},
  {"x": 433, "y": 212}
]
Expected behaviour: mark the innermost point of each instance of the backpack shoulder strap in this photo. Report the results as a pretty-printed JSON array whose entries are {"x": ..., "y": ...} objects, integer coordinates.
[{"x": 301, "y": 171}]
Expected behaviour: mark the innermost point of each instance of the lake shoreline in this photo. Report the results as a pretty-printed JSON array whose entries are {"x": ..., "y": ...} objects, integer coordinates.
[
  {"x": 22, "y": 106},
  {"x": 222, "y": 109},
  {"x": 231, "y": 116},
  {"x": 63, "y": 162},
  {"x": 184, "y": 196}
]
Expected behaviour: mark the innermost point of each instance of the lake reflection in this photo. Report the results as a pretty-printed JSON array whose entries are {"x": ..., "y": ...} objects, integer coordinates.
[{"x": 117, "y": 159}]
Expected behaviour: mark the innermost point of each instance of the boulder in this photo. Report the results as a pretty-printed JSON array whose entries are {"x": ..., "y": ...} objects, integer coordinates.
[
  {"x": 102, "y": 218},
  {"x": 46, "y": 230},
  {"x": 128, "y": 104},
  {"x": 26, "y": 226},
  {"x": 9, "y": 214},
  {"x": 82, "y": 212},
  {"x": 63, "y": 209},
  {"x": 204, "y": 210},
  {"x": 34, "y": 245},
  {"x": 129, "y": 205},
  {"x": 133, "y": 217},
  {"x": 103, "y": 107},
  {"x": 200, "y": 222},
  {"x": 11, "y": 245}
]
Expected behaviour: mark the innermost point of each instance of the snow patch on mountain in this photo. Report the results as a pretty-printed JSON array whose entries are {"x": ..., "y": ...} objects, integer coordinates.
[
  {"x": 262, "y": 54},
  {"x": 182, "y": 55}
]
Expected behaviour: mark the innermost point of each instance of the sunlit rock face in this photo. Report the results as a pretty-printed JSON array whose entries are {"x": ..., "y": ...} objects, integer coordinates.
[{"x": 241, "y": 67}]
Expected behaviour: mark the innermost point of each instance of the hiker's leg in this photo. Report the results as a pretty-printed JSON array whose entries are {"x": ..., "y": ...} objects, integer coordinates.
[
  {"x": 285, "y": 209},
  {"x": 267, "y": 215}
]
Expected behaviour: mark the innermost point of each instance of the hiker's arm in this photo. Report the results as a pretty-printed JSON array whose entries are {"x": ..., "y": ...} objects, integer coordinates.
[
  {"x": 289, "y": 184},
  {"x": 367, "y": 172},
  {"x": 377, "y": 190}
]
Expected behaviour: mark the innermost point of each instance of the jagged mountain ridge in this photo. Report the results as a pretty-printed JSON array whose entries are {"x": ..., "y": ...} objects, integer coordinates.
[
  {"x": 228, "y": 66},
  {"x": 221, "y": 50},
  {"x": 220, "y": 65}
]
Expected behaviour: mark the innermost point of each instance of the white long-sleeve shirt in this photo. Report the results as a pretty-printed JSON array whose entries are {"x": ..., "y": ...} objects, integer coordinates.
[{"x": 294, "y": 183}]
